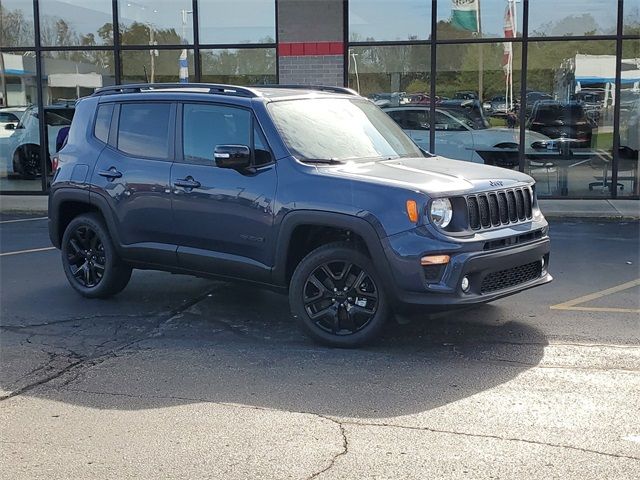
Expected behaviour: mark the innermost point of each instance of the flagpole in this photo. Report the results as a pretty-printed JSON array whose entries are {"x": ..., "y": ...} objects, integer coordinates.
[{"x": 480, "y": 56}]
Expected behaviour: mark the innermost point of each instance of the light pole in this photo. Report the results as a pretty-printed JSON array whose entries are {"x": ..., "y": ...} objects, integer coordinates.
[
  {"x": 183, "y": 72},
  {"x": 355, "y": 70}
]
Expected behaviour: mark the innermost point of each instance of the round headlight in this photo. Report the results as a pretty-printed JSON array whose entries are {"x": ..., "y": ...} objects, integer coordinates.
[{"x": 441, "y": 212}]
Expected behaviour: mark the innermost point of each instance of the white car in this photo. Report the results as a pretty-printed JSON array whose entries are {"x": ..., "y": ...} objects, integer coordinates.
[
  {"x": 20, "y": 152},
  {"x": 457, "y": 137},
  {"x": 10, "y": 116}
]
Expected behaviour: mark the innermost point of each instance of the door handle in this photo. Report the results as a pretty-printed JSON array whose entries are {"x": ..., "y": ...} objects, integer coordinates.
[
  {"x": 110, "y": 174},
  {"x": 187, "y": 183}
]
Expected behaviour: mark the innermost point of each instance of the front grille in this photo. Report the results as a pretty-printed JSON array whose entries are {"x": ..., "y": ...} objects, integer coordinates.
[
  {"x": 509, "y": 278},
  {"x": 498, "y": 208}
]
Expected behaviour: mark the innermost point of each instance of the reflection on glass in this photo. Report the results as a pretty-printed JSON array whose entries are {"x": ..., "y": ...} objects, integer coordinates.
[
  {"x": 392, "y": 76},
  {"x": 237, "y": 21},
  {"x": 76, "y": 22},
  {"x": 157, "y": 66},
  {"x": 379, "y": 20},
  {"x": 631, "y": 18},
  {"x": 570, "y": 101},
  {"x": 629, "y": 154},
  {"x": 477, "y": 88},
  {"x": 157, "y": 22},
  {"x": 245, "y": 66},
  {"x": 20, "y": 164},
  {"x": 467, "y": 19},
  {"x": 550, "y": 18},
  {"x": 16, "y": 24}
]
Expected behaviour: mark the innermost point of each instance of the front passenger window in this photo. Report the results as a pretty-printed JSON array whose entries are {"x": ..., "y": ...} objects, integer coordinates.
[{"x": 205, "y": 126}]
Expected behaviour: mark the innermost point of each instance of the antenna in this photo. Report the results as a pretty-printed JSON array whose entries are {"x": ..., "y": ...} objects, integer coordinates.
[{"x": 146, "y": 77}]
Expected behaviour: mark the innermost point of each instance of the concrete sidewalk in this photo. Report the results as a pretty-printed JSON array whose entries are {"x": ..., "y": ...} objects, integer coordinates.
[{"x": 554, "y": 209}]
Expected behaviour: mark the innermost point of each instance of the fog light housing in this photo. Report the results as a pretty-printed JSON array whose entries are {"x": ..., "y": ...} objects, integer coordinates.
[
  {"x": 465, "y": 284},
  {"x": 543, "y": 266}
]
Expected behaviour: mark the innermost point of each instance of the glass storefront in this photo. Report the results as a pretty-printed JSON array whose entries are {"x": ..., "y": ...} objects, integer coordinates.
[
  {"x": 549, "y": 88},
  {"x": 548, "y": 102},
  {"x": 88, "y": 44}
]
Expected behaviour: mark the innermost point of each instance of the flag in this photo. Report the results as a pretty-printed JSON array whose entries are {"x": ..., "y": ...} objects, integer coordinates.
[
  {"x": 509, "y": 32},
  {"x": 184, "y": 68},
  {"x": 465, "y": 14}
]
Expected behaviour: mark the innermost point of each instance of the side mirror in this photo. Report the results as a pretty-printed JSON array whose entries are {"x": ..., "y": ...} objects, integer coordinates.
[
  {"x": 236, "y": 157},
  {"x": 10, "y": 126}
]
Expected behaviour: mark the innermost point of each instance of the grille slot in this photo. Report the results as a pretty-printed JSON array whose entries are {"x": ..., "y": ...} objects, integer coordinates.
[
  {"x": 485, "y": 217},
  {"x": 511, "y": 277},
  {"x": 474, "y": 213},
  {"x": 503, "y": 207}
]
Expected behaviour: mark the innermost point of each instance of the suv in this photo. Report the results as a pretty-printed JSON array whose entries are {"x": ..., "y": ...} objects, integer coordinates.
[{"x": 313, "y": 191}]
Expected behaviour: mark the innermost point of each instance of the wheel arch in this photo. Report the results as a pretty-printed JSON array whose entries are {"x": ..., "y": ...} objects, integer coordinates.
[
  {"x": 360, "y": 230},
  {"x": 67, "y": 203}
]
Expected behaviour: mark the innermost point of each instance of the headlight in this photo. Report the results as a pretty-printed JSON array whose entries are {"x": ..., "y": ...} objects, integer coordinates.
[{"x": 441, "y": 212}]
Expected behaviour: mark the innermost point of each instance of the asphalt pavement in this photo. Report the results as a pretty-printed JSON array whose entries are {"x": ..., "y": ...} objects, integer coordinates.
[{"x": 179, "y": 377}]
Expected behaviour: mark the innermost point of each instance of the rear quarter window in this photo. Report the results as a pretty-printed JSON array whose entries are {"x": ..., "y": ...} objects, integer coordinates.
[{"x": 103, "y": 122}]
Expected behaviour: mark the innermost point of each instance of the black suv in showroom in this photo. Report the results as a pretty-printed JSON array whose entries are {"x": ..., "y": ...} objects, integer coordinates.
[{"x": 312, "y": 191}]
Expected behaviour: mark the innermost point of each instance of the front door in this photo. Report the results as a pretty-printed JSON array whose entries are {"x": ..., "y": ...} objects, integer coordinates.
[
  {"x": 223, "y": 217},
  {"x": 132, "y": 174}
]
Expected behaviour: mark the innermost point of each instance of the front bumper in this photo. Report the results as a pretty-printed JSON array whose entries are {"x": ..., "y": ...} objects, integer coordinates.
[{"x": 492, "y": 275}]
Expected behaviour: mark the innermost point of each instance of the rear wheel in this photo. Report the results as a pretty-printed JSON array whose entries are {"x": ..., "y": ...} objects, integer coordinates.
[
  {"x": 90, "y": 261},
  {"x": 337, "y": 297}
]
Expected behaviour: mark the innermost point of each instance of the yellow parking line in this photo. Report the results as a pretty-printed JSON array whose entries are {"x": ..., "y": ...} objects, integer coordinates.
[
  {"x": 33, "y": 250},
  {"x": 573, "y": 304}
]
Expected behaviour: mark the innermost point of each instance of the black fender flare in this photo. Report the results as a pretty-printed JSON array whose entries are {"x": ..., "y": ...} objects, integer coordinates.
[
  {"x": 61, "y": 195},
  {"x": 356, "y": 224}
]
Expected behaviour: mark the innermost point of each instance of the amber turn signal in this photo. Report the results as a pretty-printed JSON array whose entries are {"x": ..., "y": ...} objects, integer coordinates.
[
  {"x": 434, "y": 260},
  {"x": 412, "y": 210}
]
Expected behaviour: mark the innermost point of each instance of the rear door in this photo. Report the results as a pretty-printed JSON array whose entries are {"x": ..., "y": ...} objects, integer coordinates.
[
  {"x": 132, "y": 174},
  {"x": 224, "y": 218}
]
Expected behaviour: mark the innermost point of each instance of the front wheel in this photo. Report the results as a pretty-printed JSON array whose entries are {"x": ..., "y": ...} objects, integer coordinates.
[
  {"x": 89, "y": 259},
  {"x": 337, "y": 296}
]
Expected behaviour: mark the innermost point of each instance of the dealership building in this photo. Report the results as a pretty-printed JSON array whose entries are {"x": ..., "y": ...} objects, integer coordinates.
[{"x": 546, "y": 87}]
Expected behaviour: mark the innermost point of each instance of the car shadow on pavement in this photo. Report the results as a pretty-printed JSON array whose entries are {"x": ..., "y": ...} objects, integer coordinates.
[{"x": 247, "y": 352}]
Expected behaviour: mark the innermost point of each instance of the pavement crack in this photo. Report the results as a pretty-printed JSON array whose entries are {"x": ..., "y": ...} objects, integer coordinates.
[
  {"x": 93, "y": 360},
  {"x": 341, "y": 453},
  {"x": 495, "y": 437}
]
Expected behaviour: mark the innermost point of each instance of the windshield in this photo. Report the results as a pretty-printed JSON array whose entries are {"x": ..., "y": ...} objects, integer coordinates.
[{"x": 340, "y": 129}]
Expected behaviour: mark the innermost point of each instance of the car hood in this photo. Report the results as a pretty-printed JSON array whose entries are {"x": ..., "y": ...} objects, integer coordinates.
[{"x": 432, "y": 175}]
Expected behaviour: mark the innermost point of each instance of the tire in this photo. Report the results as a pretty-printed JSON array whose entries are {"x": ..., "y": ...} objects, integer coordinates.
[
  {"x": 26, "y": 162},
  {"x": 89, "y": 259},
  {"x": 338, "y": 318}
]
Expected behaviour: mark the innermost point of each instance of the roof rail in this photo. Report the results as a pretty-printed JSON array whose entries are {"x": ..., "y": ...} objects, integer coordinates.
[
  {"x": 214, "y": 88},
  {"x": 322, "y": 88}
]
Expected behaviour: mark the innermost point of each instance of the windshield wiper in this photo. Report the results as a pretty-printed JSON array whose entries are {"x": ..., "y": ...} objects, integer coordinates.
[{"x": 328, "y": 161}]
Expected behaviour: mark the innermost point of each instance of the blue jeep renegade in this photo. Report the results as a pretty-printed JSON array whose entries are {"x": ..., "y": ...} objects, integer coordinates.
[{"x": 312, "y": 191}]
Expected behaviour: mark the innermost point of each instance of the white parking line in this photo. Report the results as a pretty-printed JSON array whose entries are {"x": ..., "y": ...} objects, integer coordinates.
[
  {"x": 33, "y": 250},
  {"x": 24, "y": 220}
]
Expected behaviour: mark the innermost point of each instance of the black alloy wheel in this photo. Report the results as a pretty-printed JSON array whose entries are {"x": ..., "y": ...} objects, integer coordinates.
[
  {"x": 90, "y": 261},
  {"x": 337, "y": 296},
  {"x": 340, "y": 297},
  {"x": 85, "y": 256}
]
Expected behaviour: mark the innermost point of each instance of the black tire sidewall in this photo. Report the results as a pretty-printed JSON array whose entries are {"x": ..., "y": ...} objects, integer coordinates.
[
  {"x": 116, "y": 274},
  {"x": 324, "y": 254}
]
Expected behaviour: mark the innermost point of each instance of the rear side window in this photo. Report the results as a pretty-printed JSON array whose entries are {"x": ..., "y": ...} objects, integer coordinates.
[
  {"x": 103, "y": 122},
  {"x": 143, "y": 129}
]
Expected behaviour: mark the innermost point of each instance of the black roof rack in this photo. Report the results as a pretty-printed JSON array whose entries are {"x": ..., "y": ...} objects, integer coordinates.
[
  {"x": 322, "y": 88},
  {"x": 214, "y": 88}
]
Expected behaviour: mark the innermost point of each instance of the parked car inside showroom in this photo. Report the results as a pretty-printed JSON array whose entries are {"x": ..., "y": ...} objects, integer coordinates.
[
  {"x": 21, "y": 150},
  {"x": 456, "y": 135}
]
